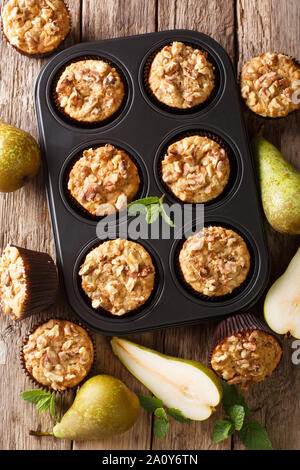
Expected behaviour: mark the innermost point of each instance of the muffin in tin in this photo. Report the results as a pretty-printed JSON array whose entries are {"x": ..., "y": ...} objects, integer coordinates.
[
  {"x": 181, "y": 76},
  {"x": 118, "y": 276},
  {"x": 214, "y": 261},
  {"x": 89, "y": 91},
  {"x": 104, "y": 180},
  {"x": 35, "y": 26},
  {"x": 245, "y": 352},
  {"x": 58, "y": 354},
  {"x": 268, "y": 83},
  {"x": 28, "y": 281},
  {"x": 195, "y": 169}
]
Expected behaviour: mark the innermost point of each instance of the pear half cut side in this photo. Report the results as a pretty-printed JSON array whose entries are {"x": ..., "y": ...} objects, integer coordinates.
[{"x": 188, "y": 386}]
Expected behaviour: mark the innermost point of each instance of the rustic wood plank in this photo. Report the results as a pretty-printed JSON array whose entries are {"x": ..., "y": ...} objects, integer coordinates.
[
  {"x": 121, "y": 19},
  {"x": 24, "y": 220},
  {"x": 271, "y": 26}
]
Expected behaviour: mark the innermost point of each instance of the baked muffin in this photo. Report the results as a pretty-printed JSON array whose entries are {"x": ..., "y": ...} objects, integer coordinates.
[
  {"x": 181, "y": 76},
  {"x": 58, "y": 354},
  {"x": 28, "y": 281},
  {"x": 195, "y": 169},
  {"x": 89, "y": 91},
  {"x": 214, "y": 261},
  {"x": 268, "y": 83},
  {"x": 118, "y": 276},
  {"x": 244, "y": 353},
  {"x": 35, "y": 26},
  {"x": 104, "y": 180}
]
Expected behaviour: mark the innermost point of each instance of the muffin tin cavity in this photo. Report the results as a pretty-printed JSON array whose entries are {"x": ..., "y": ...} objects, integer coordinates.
[
  {"x": 73, "y": 205},
  {"x": 58, "y": 111},
  {"x": 144, "y": 309},
  {"x": 151, "y": 98}
]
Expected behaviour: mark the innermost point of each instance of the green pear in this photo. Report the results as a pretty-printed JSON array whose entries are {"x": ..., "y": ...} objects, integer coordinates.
[
  {"x": 282, "y": 303},
  {"x": 20, "y": 158},
  {"x": 280, "y": 187},
  {"x": 187, "y": 386}
]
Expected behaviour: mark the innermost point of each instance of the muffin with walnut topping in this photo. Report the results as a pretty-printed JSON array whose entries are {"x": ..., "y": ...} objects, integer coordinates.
[
  {"x": 118, "y": 276},
  {"x": 214, "y": 261},
  {"x": 268, "y": 83},
  {"x": 89, "y": 91},
  {"x": 181, "y": 76},
  {"x": 58, "y": 354},
  {"x": 35, "y": 26},
  {"x": 104, "y": 180},
  {"x": 195, "y": 169}
]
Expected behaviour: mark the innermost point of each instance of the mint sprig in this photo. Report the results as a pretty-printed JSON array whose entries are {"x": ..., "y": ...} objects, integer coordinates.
[
  {"x": 250, "y": 431},
  {"x": 43, "y": 400},
  {"x": 152, "y": 207}
]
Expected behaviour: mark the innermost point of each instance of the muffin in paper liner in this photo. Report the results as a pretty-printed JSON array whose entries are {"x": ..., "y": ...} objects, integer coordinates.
[
  {"x": 89, "y": 372},
  {"x": 245, "y": 351},
  {"x": 28, "y": 281},
  {"x": 40, "y": 55}
]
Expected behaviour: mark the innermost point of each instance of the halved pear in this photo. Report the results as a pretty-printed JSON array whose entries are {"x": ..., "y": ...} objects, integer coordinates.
[
  {"x": 188, "y": 386},
  {"x": 282, "y": 303}
]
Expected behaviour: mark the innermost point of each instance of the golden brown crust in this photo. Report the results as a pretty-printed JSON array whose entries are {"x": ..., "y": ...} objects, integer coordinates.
[
  {"x": 58, "y": 354},
  {"x": 215, "y": 261},
  {"x": 90, "y": 90},
  {"x": 35, "y": 27},
  {"x": 104, "y": 180},
  {"x": 118, "y": 276},
  {"x": 181, "y": 76},
  {"x": 13, "y": 282},
  {"x": 268, "y": 83},
  {"x": 196, "y": 169},
  {"x": 246, "y": 358}
]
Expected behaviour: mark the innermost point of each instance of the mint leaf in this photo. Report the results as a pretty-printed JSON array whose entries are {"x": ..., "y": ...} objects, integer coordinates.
[
  {"x": 52, "y": 406},
  {"x": 237, "y": 416},
  {"x": 223, "y": 429},
  {"x": 176, "y": 414},
  {"x": 137, "y": 209},
  {"x": 160, "y": 413},
  {"x": 149, "y": 403},
  {"x": 145, "y": 201},
  {"x": 165, "y": 216},
  {"x": 43, "y": 404},
  {"x": 231, "y": 397},
  {"x": 161, "y": 426},
  {"x": 34, "y": 396},
  {"x": 153, "y": 212},
  {"x": 254, "y": 436}
]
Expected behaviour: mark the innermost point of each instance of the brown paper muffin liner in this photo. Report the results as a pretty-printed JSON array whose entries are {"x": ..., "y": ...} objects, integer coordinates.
[
  {"x": 222, "y": 143},
  {"x": 266, "y": 118},
  {"x": 45, "y": 54},
  {"x": 41, "y": 281},
  {"x": 170, "y": 109},
  {"x": 220, "y": 298},
  {"x": 83, "y": 124},
  {"x": 90, "y": 373}
]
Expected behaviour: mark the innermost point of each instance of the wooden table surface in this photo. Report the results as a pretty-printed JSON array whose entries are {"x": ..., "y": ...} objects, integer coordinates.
[{"x": 245, "y": 28}]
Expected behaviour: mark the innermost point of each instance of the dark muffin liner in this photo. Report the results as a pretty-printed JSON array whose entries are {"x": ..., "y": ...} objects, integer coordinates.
[
  {"x": 220, "y": 298},
  {"x": 75, "y": 205},
  {"x": 134, "y": 312},
  {"x": 266, "y": 118},
  {"x": 170, "y": 109},
  {"x": 44, "y": 387},
  {"x": 44, "y": 54},
  {"x": 218, "y": 140},
  {"x": 41, "y": 281},
  {"x": 83, "y": 124}
]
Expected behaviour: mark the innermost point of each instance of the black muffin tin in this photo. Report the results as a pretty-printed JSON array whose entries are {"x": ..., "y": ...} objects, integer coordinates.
[{"x": 144, "y": 128}]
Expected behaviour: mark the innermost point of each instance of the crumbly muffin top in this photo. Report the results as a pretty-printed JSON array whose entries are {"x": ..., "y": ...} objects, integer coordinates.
[
  {"x": 90, "y": 90},
  {"x": 196, "y": 169},
  {"x": 268, "y": 83},
  {"x": 118, "y": 276},
  {"x": 35, "y": 26},
  {"x": 58, "y": 354},
  {"x": 214, "y": 261},
  {"x": 246, "y": 358},
  {"x": 104, "y": 180},
  {"x": 181, "y": 76},
  {"x": 13, "y": 289}
]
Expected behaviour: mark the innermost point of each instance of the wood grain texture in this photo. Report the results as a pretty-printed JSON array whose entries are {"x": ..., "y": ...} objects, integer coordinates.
[{"x": 274, "y": 26}]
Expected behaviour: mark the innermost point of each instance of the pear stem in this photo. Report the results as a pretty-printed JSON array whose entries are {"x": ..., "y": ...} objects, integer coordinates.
[{"x": 39, "y": 434}]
